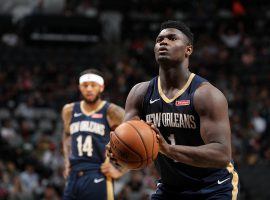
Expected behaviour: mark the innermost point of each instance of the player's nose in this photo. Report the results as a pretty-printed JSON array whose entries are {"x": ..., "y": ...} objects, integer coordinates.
[
  {"x": 89, "y": 88},
  {"x": 164, "y": 42}
]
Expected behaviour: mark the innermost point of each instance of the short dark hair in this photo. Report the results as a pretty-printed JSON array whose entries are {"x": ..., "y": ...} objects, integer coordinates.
[
  {"x": 180, "y": 26},
  {"x": 92, "y": 71}
]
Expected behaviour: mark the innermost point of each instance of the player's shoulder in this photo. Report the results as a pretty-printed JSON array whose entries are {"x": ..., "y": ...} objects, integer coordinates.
[
  {"x": 135, "y": 97},
  {"x": 207, "y": 95},
  {"x": 112, "y": 105},
  {"x": 115, "y": 115},
  {"x": 138, "y": 92},
  {"x": 114, "y": 108},
  {"x": 68, "y": 108},
  {"x": 141, "y": 87},
  {"x": 206, "y": 90}
]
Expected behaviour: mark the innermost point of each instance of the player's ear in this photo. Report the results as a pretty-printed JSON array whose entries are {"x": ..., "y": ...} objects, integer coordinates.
[
  {"x": 79, "y": 86},
  {"x": 102, "y": 87},
  {"x": 189, "y": 50}
]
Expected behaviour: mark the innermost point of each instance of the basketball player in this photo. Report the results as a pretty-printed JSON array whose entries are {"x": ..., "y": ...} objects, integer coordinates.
[
  {"x": 87, "y": 125},
  {"x": 190, "y": 117}
]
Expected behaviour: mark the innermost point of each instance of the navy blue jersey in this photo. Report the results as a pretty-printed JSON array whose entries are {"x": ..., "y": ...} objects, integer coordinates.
[
  {"x": 179, "y": 123},
  {"x": 89, "y": 136}
]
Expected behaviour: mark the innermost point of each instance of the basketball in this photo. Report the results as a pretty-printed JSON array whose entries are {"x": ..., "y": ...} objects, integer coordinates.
[{"x": 134, "y": 144}]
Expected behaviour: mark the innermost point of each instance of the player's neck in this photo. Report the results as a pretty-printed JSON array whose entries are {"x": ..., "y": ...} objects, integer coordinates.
[
  {"x": 88, "y": 107},
  {"x": 174, "y": 77}
]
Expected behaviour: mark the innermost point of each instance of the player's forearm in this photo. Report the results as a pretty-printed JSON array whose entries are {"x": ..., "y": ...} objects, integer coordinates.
[
  {"x": 66, "y": 157},
  {"x": 66, "y": 149},
  {"x": 214, "y": 155}
]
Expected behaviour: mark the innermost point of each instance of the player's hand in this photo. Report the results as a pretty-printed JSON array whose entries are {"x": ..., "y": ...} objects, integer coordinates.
[
  {"x": 110, "y": 155},
  {"x": 109, "y": 170},
  {"x": 163, "y": 145}
]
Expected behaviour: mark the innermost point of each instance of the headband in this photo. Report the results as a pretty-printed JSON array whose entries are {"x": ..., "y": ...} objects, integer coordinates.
[{"x": 91, "y": 78}]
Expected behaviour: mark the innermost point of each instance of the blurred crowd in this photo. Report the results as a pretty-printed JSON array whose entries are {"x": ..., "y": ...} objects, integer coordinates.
[{"x": 231, "y": 51}]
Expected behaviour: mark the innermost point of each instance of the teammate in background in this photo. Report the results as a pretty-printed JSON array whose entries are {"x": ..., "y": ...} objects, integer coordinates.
[
  {"x": 87, "y": 126},
  {"x": 190, "y": 117}
]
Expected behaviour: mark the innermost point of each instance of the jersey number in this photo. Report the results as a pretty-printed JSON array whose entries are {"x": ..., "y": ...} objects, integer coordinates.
[
  {"x": 85, "y": 147},
  {"x": 172, "y": 139}
]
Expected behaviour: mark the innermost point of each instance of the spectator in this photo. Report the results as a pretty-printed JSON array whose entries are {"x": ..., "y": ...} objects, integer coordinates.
[{"x": 30, "y": 180}]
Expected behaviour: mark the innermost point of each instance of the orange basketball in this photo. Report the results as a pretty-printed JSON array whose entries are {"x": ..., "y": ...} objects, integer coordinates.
[{"x": 134, "y": 144}]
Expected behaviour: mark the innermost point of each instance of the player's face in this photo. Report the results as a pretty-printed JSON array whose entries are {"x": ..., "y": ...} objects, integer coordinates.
[
  {"x": 171, "y": 45},
  {"x": 91, "y": 91}
]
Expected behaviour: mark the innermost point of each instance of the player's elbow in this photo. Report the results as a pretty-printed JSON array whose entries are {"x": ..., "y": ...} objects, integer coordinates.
[
  {"x": 224, "y": 160},
  {"x": 223, "y": 156}
]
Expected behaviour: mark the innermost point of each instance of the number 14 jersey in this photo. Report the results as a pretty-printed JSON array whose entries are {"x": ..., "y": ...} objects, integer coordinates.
[{"x": 89, "y": 136}]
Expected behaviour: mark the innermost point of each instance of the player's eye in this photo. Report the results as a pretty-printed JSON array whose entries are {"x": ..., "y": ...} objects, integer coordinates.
[
  {"x": 94, "y": 85},
  {"x": 159, "y": 40},
  {"x": 172, "y": 38}
]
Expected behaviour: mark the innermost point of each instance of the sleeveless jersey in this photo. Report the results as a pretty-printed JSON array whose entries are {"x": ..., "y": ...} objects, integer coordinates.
[
  {"x": 89, "y": 136},
  {"x": 179, "y": 124}
]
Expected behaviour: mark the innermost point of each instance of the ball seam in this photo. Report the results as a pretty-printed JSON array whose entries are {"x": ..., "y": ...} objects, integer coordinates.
[
  {"x": 140, "y": 135},
  {"x": 153, "y": 145},
  {"x": 129, "y": 149}
]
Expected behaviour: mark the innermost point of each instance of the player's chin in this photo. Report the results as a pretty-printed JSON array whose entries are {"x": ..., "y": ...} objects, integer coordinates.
[
  {"x": 90, "y": 100},
  {"x": 163, "y": 58}
]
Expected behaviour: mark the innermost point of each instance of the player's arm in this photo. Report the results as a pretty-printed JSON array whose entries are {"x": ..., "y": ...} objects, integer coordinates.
[
  {"x": 66, "y": 139},
  {"x": 134, "y": 101},
  {"x": 115, "y": 115},
  {"x": 212, "y": 107},
  {"x": 132, "y": 109}
]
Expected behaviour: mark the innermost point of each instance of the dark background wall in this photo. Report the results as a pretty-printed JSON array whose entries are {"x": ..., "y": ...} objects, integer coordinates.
[{"x": 46, "y": 44}]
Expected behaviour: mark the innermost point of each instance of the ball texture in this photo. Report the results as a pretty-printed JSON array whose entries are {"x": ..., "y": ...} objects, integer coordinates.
[{"x": 134, "y": 144}]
